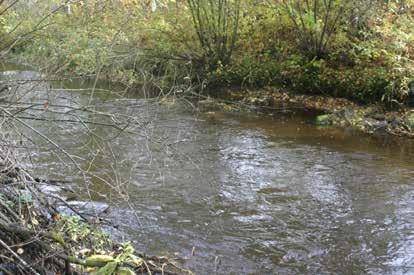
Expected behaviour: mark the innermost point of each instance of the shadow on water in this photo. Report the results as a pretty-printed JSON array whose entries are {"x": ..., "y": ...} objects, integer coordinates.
[{"x": 253, "y": 194}]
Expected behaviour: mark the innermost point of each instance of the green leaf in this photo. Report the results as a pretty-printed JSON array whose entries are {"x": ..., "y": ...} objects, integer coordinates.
[
  {"x": 108, "y": 269},
  {"x": 100, "y": 258},
  {"x": 26, "y": 198},
  {"x": 125, "y": 271}
]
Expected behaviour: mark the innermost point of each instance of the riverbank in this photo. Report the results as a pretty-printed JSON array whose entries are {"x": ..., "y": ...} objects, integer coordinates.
[
  {"x": 38, "y": 236},
  {"x": 333, "y": 112}
]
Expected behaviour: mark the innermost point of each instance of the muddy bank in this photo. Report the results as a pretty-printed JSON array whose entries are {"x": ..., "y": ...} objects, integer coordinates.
[{"x": 335, "y": 112}]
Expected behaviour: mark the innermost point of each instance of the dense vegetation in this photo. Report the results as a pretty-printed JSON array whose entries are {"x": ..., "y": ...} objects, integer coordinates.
[
  {"x": 356, "y": 49},
  {"x": 361, "y": 50}
]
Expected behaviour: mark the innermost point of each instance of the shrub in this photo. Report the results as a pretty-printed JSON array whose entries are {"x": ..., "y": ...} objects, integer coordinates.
[{"x": 216, "y": 24}]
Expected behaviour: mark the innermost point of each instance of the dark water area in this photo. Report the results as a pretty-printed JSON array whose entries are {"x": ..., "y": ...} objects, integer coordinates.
[{"x": 247, "y": 193}]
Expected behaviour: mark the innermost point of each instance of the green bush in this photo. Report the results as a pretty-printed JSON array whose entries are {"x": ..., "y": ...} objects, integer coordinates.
[{"x": 361, "y": 50}]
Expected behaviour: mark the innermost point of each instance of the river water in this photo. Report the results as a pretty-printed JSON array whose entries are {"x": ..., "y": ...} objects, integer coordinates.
[{"x": 235, "y": 193}]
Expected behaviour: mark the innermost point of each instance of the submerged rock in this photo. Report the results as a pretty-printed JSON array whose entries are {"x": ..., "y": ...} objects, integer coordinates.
[
  {"x": 65, "y": 191},
  {"x": 371, "y": 125},
  {"x": 88, "y": 208}
]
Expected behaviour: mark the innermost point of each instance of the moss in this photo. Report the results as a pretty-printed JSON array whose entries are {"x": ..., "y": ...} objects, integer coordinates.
[{"x": 324, "y": 120}]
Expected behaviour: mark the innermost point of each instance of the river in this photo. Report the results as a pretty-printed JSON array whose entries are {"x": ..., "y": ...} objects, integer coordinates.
[{"x": 234, "y": 193}]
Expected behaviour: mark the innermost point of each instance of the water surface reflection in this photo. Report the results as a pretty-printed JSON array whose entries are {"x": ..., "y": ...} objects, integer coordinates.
[{"x": 265, "y": 194}]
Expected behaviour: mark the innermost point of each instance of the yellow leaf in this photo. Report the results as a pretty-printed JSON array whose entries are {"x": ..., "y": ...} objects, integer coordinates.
[
  {"x": 125, "y": 271},
  {"x": 137, "y": 261},
  {"x": 35, "y": 221},
  {"x": 100, "y": 258}
]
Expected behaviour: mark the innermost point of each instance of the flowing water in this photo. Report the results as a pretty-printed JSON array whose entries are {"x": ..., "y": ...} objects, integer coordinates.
[{"x": 238, "y": 193}]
